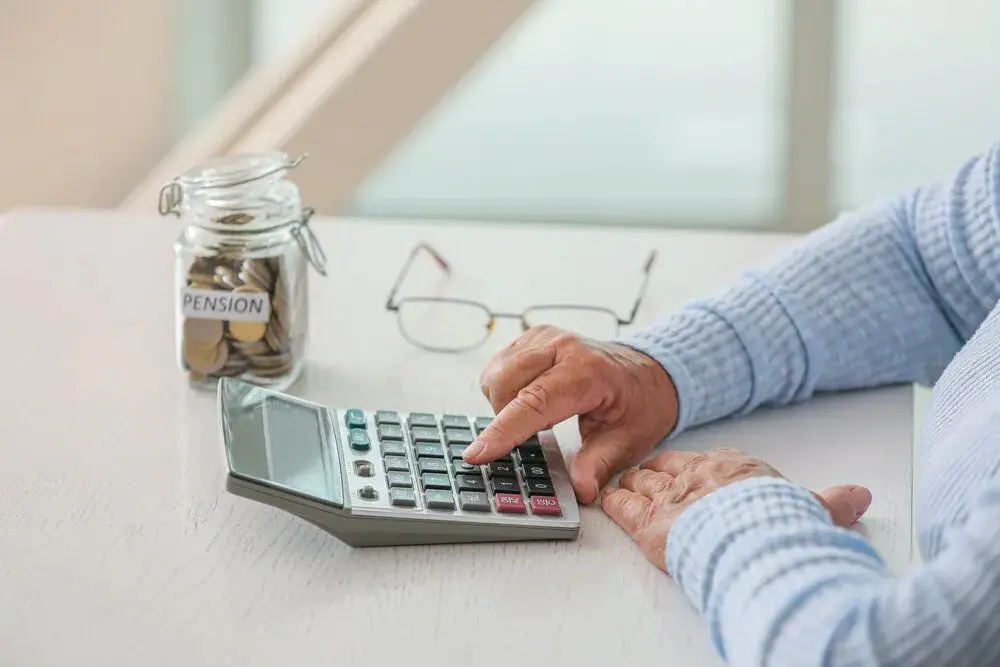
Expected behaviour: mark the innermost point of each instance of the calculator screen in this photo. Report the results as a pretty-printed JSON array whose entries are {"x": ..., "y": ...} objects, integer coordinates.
[{"x": 282, "y": 442}]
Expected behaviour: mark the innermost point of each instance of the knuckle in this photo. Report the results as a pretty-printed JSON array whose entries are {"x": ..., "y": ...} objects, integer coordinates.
[
  {"x": 534, "y": 398},
  {"x": 694, "y": 463}
]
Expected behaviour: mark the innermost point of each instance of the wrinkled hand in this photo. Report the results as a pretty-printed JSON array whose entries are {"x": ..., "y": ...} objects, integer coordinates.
[
  {"x": 626, "y": 402},
  {"x": 650, "y": 498}
]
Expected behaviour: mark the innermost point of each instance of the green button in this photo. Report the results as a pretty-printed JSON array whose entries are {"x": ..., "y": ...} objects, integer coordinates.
[
  {"x": 360, "y": 440},
  {"x": 354, "y": 419}
]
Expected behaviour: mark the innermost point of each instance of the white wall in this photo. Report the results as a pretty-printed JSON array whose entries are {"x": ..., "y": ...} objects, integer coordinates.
[{"x": 86, "y": 106}]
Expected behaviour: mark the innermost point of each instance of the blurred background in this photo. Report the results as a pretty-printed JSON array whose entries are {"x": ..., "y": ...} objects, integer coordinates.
[{"x": 757, "y": 114}]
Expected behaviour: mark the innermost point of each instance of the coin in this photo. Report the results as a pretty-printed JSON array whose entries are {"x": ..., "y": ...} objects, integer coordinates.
[
  {"x": 201, "y": 281},
  {"x": 206, "y": 359},
  {"x": 225, "y": 277},
  {"x": 235, "y": 219},
  {"x": 272, "y": 372},
  {"x": 270, "y": 361},
  {"x": 259, "y": 272},
  {"x": 202, "y": 331},
  {"x": 254, "y": 349},
  {"x": 250, "y": 281},
  {"x": 276, "y": 337},
  {"x": 235, "y": 365},
  {"x": 247, "y": 332}
]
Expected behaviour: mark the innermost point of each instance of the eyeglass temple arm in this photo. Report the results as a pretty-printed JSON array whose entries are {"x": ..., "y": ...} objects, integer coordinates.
[
  {"x": 390, "y": 302},
  {"x": 647, "y": 269}
]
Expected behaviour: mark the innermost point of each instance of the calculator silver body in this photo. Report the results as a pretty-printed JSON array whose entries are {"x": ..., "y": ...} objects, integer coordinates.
[{"x": 293, "y": 454}]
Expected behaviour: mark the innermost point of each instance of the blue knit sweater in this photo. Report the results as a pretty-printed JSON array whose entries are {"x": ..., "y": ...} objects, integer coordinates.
[{"x": 904, "y": 291}]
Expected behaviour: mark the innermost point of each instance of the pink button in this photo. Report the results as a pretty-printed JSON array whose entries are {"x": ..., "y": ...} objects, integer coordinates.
[
  {"x": 510, "y": 503},
  {"x": 545, "y": 506}
]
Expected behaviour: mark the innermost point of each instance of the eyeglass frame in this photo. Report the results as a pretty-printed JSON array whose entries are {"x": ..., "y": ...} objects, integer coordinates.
[{"x": 393, "y": 306}]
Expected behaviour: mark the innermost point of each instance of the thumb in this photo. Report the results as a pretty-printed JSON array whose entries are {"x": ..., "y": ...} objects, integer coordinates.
[
  {"x": 846, "y": 503},
  {"x": 602, "y": 455}
]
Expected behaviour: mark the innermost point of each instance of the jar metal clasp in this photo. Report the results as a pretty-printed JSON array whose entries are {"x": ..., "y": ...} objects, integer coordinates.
[{"x": 308, "y": 242}]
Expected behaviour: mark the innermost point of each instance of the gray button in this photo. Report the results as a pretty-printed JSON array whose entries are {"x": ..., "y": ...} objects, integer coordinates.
[
  {"x": 432, "y": 465},
  {"x": 474, "y": 501},
  {"x": 454, "y": 421},
  {"x": 439, "y": 500},
  {"x": 458, "y": 436},
  {"x": 389, "y": 432},
  {"x": 396, "y": 463},
  {"x": 386, "y": 417},
  {"x": 482, "y": 423},
  {"x": 368, "y": 493},
  {"x": 435, "y": 480},
  {"x": 461, "y": 466},
  {"x": 457, "y": 451},
  {"x": 422, "y": 419},
  {"x": 425, "y": 434},
  {"x": 399, "y": 479},
  {"x": 393, "y": 448},
  {"x": 403, "y": 497},
  {"x": 428, "y": 449}
]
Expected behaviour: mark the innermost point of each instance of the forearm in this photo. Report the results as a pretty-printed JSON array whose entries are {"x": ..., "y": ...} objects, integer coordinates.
[
  {"x": 882, "y": 296},
  {"x": 780, "y": 585}
]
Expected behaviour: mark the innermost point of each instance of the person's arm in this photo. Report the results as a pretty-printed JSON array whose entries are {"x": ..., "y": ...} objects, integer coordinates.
[
  {"x": 882, "y": 296},
  {"x": 779, "y": 584}
]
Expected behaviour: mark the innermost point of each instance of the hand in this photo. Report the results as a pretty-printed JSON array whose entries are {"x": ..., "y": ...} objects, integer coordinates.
[
  {"x": 650, "y": 498},
  {"x": 625, "y": 400}
]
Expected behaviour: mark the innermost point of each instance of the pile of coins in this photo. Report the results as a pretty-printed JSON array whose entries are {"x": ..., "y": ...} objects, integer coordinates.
[{"x": 211, "y": 349}]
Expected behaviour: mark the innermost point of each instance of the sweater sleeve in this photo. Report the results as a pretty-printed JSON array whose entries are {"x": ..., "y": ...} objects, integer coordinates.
[
  {"x": 882, "y": 296},
  {"x": 779, "y": 585}
]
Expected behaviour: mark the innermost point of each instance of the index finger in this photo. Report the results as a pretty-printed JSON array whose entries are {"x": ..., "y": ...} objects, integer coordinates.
[{"x": 550, "y": 399}]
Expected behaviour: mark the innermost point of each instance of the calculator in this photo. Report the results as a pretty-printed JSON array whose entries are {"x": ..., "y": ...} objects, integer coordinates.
[{"x": 389, "y": 478}]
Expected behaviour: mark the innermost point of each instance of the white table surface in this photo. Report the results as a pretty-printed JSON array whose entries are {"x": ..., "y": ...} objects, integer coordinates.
[{"x": 120, "y": 546}]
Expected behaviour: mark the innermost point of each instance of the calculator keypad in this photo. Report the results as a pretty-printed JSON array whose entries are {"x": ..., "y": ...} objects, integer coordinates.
[{"x": 422, "y": 466}]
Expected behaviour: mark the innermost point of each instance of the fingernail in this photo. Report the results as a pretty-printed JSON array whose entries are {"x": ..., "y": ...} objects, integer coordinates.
[{"x": 473, "y": 450}]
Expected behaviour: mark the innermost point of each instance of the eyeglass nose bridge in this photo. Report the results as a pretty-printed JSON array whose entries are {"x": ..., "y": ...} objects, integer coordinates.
[{"x": 507, "y": 316}]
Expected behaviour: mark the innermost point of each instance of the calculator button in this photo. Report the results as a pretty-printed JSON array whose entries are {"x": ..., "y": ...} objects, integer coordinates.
[
  {"x": 389, "y": 432},
  {"x": 463, "y": 467},
  {"x": 510, "y": 503},
  {"x": 364, "y": 469},
  {"x": 399, "y": 479},
  {"x": 428, "y": 449},
  {"x": 545, "y": 506},
  {"x": 421, "y": 419},
  {"x": 360, "y": 440},
  {"x": 435, "y": 480},
  {"x": 474, "y": 501},
  {"x": 454, "y": 421},
  {"x": 501, "y": 469},
  {"x": 403, "y": 497},
  {"x": 535, "y": 471},
  {"x": 540, "y": 487},
  {"x": 386, "y": 417},
  {"x": 470, "y": 482},
  {"x": 367, "y": 493},
  {"x": 432, "y": 465},
  {"x": 354, "y": 419},
  {"x": 457, "y": 451},
  {"x": 399, "y": 463},
  {"x": 532, "y": 440},
  {"x": 505, "y": 485},
  {"x": 393, "y": 448},
  {"x": 439, "y": 500},
  {"x": 458, "y": 436},
  {"x": 425, "y": 434},
  {"x": 482, "y": 423},
  {"x": 530, "y": 454}
]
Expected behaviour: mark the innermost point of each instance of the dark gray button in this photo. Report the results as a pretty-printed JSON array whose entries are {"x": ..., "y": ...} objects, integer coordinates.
[
  {"x": 389, "y": 432},
  {"x": 359, "y": 440},
  {"x": 439, "y": 500},
  {"x": 396, "y": 463},
  {"x": 367, "y": 493},
  {"x": 454, "y": 421},
  {"x": 458, "y": 436},
  {"x": 457, "y": 451},
  {"x": 535, "y": 471},
  {"x": 505, "y": 485},
  {"x": 401, "y": 479},
  {"x": 428, "y": 449},
  {"x": 474, "y": 501},
  {"x": 354, "y": 419},
  {"x": 425, "y": 434},
  {"x": 403, "y": 497},
  {"x": 462, "y": 466},
  {"x": 470, "y": 482},
  {"x": 386, "y": 417},
  {"x": 482, "y": 423},
  {"x": 422, "y": 419},
  {"x": 393, "y": 448},
  {"x": 540, "y": 487},
  {"x": 501, "y": 469},
  {"x": 530, "y": 454},
  {"x": 434, "y": 480},
  {"x": 432, "y": 465},
  {"x": 364, "y": 469}
]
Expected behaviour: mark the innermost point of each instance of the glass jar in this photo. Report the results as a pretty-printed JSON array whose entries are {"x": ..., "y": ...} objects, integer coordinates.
[{"x": 242, "y": 269}]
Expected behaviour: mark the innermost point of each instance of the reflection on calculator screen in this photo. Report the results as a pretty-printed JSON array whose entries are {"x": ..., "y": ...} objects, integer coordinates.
[{"x": 294, "y": 444}]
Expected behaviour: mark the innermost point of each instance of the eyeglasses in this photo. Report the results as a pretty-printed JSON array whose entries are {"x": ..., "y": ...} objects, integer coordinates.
[{"x": 441, "y": 324}]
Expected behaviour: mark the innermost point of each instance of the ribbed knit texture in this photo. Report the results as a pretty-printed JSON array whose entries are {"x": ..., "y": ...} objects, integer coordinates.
[{"x": 904, "y": 291}]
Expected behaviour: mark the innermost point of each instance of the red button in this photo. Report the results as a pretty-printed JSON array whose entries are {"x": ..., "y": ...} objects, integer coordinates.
[
  {"x": 545, "y": 506},
  {"x": 510, "y": 503}
]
